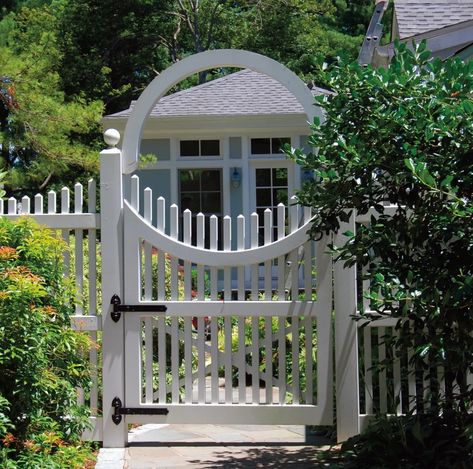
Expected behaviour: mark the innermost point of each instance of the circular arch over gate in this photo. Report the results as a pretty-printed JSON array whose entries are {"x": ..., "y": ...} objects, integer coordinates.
[{"x": 198, "y": 63}]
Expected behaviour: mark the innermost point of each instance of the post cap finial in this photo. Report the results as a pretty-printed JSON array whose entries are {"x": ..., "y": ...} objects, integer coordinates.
[{"x": 111, "y": 137}]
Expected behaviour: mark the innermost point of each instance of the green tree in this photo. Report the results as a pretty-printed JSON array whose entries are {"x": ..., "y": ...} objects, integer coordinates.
[
  {"x": 44, "y": 136},
  {"x": 404, "y": 136}
]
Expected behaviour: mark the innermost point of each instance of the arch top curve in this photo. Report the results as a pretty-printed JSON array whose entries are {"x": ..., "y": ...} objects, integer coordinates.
[{"x": 198, "y": 63}]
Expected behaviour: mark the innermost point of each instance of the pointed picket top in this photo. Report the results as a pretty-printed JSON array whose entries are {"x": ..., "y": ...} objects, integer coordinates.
[
  {"x": 161, "y": 214},
  {"x": 38, "y": 204},
  {"x": 148, "y": 204},
  {"x": 78, "y": 197},
  {"x": 52, "y": 201},
  {"x": 12, "y": 206},
  {"x": 92, "y": 195},
  {"x": 240, "y": 232},
  {"x": 135, "y": 195},
  {"x": 65, "y": 199},
  {"x": 25, "y": 205}
]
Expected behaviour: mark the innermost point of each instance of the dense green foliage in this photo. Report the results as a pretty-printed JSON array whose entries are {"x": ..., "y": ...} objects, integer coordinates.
[
  {"x": 404, "y": 136},
  {"x": 42, "y": 133},
  {"x": 42, "y": 360},
  {"x": 63, "y": 63}
]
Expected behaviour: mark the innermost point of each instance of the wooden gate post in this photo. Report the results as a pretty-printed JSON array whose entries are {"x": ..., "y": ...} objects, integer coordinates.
[
  {"x": 111, "y": 208},
  {"x": 346, "y": 342}
]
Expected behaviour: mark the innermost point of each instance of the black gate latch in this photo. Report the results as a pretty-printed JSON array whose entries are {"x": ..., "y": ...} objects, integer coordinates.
[
  {"x": 120, "y": 410},
  {"x": 118, "y": 308}
]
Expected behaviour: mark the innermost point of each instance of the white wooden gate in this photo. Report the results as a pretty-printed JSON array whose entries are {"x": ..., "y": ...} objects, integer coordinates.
[{"x": 220, "y": 354}]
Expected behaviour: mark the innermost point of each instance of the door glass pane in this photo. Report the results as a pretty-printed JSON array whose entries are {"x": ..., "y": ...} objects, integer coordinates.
[
  {"x": 263, "y": 177},
  {"x": 211, "y": 203},
  {"x": 279, "y": 196},
  {"x": 210, "y": 147},
  {"x": 279, "y": 177},
  {"x": 190, "y": 180},
  {"x": 211, "y": 180},
  {"x": 263, "y": 197},
  {"x": 191, "y": 201}
]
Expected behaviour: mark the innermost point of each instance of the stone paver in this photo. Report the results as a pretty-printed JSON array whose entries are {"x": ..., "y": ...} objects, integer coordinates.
[{"x": 221, "y": 447}]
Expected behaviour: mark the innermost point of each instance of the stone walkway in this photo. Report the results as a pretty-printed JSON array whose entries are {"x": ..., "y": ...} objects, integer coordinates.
[{"x": 222, "y": 447}]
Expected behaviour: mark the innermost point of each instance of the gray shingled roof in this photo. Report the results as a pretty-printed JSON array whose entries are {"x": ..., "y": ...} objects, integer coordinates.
[
  {"x": 417, "y": 16},
  {"x": 242, "y": 93}
]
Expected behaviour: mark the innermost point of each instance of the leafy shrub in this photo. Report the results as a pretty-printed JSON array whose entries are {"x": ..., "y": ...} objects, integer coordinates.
[
  {"x": 422, "y": 441},
  {"x": 42, "y": 360}
]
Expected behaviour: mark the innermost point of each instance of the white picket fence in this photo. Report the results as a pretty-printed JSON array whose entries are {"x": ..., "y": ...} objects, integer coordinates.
[
  {"x": 165, "y": 379},
  {"x": 77, "y": 225}
]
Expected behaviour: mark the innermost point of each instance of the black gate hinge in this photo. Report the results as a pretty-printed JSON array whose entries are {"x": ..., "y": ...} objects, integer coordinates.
[
  {"x": 120, "y": 410},
  {"x": 118, "y": 308}
]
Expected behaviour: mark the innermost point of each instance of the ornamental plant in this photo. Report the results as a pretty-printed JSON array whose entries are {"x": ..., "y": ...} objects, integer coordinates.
[
  {"x": 403, "y": 136},
  {"x": 42, "y": 360}
]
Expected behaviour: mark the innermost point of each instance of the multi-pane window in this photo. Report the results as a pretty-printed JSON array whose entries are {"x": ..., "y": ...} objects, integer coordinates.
[
  {"x": 268, "y": 146},
  {"x": 200, "y": 191},
  {"x": 271, "y": 190},
  {"x": 200, "y": 148}
]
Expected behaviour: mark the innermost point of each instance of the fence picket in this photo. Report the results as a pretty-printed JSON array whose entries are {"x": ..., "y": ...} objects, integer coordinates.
[
  {"x": 25, "y": 205},
  {"x": 79, "y": 251},
  {"x": 52, "y": 202},
  {"x": 12, "y": 206},
  {"x": 65, "y": 207}
]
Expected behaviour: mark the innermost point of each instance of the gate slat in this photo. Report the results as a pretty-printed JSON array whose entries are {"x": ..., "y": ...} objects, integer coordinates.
[
  {"x": 368, "y": 372},
  {"x": 148, "y": 270},
  {"x": 397, "y": 378},
  {"x": 161, "y": 225},
  {"x": 295, "y": 360},
  {"x": 187, "y": 237},
  {"x": 282, "y": 359},
  {"x": 200, "y": 268},
  {"x": 241, "y": 361},
  {"x": 255, "y": 359},
  {"x": 382, "y": 374},
  {"x": 241, "y": 357},
  {"x": 162, "y": 359},
  {"x": 175, "y": 360},
  {"x": 309, "y": 365},
  {"x": 254, "y": 267},
  {"x": 268, "y": 338},
  {"x": 255, "y": 399},
  {"x": 227, "y": 273},
  {"x": 201, "y": 360},
  {"x": 214, "y": 319},
  {"x": 228, "y": 360},
  {"x": 174, "y": 234},
  {"x": 148, "y": 360},
  {"x": 281, "y": 260},
  {"x": 213, "y": 247},
  {"x": 268, "y": 228}
]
